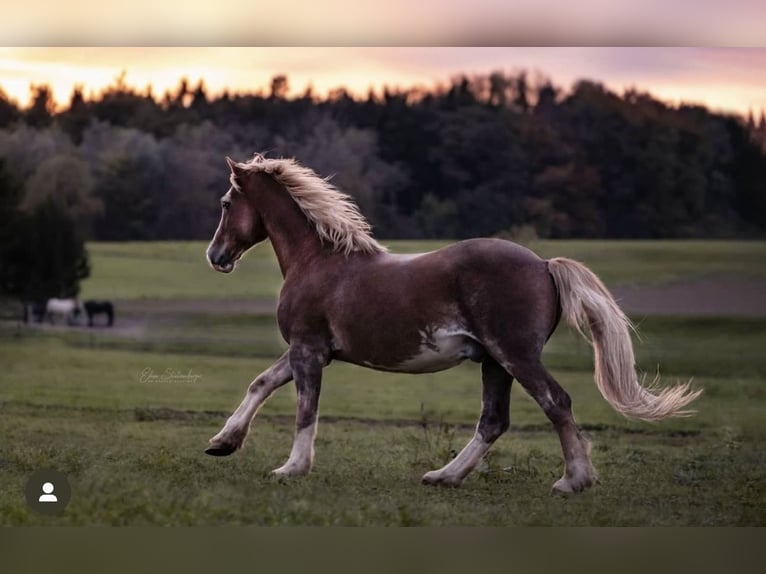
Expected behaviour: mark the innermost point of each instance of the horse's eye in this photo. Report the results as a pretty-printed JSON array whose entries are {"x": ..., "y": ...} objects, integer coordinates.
[{"x": 226, "y": 205}]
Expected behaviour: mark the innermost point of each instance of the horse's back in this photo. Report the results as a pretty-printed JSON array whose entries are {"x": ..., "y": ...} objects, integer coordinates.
[
  {"x": 455, "y": 274},
  {"x": 474, "y": 265},
  {"x": 495, "y": 250},
  {"x": 55, "y": 305}
]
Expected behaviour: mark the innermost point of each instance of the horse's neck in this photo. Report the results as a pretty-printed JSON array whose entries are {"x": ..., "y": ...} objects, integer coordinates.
[{"x": 292, "y": 235}]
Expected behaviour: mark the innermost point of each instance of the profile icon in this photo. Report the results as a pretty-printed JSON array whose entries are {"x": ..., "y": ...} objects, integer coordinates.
[
  {"x": 48, "y": 495},
  {"x": 47, "y": 491}
]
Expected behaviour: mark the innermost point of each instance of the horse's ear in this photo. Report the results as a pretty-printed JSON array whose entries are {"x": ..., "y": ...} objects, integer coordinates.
[{"x": 233, "y": 166}]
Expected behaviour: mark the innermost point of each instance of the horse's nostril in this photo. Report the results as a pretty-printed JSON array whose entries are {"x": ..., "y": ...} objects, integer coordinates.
[
  {"x": 213, "y": 256},
  {"x": 218, "y": 258}
]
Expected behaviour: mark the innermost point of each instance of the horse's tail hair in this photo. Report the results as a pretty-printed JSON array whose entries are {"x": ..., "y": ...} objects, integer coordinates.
[{"x": 587, "y": 305}]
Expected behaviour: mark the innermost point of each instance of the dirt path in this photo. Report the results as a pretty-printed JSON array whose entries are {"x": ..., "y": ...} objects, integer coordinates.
[
  {"x": 714, "y": 296},
  {"x": 255, "y": 306},
  {"x": 723, "y": 296},
  {"x": 727, "y": 296}
]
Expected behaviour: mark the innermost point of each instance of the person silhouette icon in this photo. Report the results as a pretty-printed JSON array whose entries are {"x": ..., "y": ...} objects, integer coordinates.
[
  {"x": 48, "y": 495},
  {"x": 39, "y": 494}
]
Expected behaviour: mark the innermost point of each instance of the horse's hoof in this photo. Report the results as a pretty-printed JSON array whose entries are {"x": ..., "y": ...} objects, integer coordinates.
[
  {"x": 434, "y": 478},
  {"x": 430, "y": 478},
  {"x": 220, "y": 450},
  {"x": 562, "y": 486},
  {"x": 287, "y": 471},
  {"x": 571, "y": 485}
]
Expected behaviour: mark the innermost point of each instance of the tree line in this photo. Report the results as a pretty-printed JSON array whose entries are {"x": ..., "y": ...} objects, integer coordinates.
[{"x": 481, "y": 155}]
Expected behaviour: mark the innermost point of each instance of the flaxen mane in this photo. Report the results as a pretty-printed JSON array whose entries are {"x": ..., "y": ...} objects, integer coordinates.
[{"x": 336, "y": 217}]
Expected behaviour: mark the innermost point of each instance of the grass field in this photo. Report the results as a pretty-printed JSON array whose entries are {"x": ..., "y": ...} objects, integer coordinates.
[
  {"x": 178, "y": 270},
  {"x": 74, "y": 400}
]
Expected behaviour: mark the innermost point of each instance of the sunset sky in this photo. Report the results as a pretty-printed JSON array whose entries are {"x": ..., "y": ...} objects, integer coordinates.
[{"x": 730, "y": 79}]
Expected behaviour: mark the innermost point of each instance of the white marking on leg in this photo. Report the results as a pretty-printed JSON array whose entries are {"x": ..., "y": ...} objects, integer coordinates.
[
  {"x": 457, "y": 469},
  {"x": 579, "y": 473},
  {"x": 237, "y": 425},
  {"x": 302, "y": 454},
  {"x": 248, "y": 408}
]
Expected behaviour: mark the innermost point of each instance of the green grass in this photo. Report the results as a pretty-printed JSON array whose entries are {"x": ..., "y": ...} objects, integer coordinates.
[
  {"x": 644, "y": 262},
  {"x": 133, "y": 450},
  {"x": 178, "y": 270},
  {"x": 678, "y": 346},
  {"x": 130, "y": 472},
  {"x": 175, "y": 270},
  {"x": 75, "y": 400}
]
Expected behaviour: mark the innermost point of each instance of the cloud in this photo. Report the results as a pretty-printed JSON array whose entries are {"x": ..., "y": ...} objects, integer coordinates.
[{"x": 721, "y": 77}]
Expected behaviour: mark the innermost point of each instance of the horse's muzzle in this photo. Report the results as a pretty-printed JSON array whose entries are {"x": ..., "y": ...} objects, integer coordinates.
[{"x": 220, "y": 260}]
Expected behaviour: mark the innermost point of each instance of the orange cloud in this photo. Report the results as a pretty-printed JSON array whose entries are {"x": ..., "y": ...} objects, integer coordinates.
[{"x": 728, "y": 79}]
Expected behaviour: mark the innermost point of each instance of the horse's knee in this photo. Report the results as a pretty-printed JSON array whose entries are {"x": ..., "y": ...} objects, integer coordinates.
[
  {"x": 305, "y": 418},
  {"x": 264, "y": 383},
  {"x": 257, "y": 386}
]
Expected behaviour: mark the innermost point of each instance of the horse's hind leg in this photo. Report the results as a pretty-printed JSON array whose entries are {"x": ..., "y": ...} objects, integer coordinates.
[
  {"x": 555, "y": 402},
  {"x": 494, "y": 421}
]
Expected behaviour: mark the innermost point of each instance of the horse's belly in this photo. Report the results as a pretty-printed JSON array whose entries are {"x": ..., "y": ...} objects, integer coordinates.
[
  {"x": 437, "y": 350},
  {"x": 438, "y": 354}
]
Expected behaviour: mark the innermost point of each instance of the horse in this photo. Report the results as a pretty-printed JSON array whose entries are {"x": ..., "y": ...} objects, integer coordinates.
[
  {"x": 344, "y": 297},
  {"x": 68, "y": 309},
  {"x": 93, "y": 308},
  {"x": 35, "y": 311}
]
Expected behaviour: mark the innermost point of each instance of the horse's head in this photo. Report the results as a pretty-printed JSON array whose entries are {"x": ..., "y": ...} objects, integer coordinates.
[{"x": 240, "y": 227}]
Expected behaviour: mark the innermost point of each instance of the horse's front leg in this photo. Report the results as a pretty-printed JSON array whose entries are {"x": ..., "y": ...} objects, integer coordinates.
[
  {"x": 307, "y": 361},
  {"x": 233, "y": 434}
]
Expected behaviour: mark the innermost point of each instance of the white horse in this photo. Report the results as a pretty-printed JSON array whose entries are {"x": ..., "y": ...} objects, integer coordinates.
[{"x": 68, "y": 309}]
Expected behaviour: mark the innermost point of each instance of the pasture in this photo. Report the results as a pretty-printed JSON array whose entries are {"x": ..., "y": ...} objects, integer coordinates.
[
  {"x": 80, "y": 401},
  {"x": 178, "y": 270}
]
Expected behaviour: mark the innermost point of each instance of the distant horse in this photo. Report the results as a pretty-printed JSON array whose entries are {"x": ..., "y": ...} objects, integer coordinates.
[
  {"x": 35, "y": 311},
  {"x": 93, "y": 308},
  {"x": 488, "y": 300},
  {"x": 68, "y": 309}
]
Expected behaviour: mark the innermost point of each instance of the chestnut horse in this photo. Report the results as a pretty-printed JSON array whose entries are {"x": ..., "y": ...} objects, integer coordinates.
[{"x": 345, "y": 298}]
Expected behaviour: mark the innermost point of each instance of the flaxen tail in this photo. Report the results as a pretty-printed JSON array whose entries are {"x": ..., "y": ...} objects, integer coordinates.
[{"x": 588, "y": 306}]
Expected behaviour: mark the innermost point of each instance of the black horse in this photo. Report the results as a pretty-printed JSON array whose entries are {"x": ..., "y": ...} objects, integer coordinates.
[{"x": 96, "y": 307}]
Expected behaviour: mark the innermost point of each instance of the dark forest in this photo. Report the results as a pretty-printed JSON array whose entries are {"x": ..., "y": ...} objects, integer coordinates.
[{"x": 497, "y": 154}]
